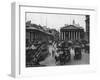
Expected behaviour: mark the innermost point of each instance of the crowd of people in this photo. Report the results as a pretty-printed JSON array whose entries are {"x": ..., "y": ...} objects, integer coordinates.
[{"x": 40, "y": 53}]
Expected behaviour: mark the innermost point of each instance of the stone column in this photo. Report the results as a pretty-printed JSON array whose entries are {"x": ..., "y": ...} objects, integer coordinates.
[
  {"x": 76, "y": 35},
  {"x": 61, "y": 35},
  {"x": 64, "y": 35},
  {"x": 70, "y": 35},
  {"x": 79, "y": 35},
  {"x": 31, "y": 36},
  {"x": 73, "y": 35}
]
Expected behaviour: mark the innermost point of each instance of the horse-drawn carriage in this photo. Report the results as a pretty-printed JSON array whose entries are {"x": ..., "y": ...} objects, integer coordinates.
[
  {"x": 78, "y": 53},
  {"x": 78, "y": 50},
  {"x": 64, "y": 53}
]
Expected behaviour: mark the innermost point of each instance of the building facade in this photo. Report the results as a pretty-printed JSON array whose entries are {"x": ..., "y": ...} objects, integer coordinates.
[
  {"x": 71, "y": 32},
  {"x": 35, "y": 32},
  {"x": 87, "y": 21}
]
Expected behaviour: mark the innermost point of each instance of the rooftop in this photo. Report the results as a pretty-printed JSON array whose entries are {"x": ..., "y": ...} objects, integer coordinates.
[{"x": 71, "y": 27}]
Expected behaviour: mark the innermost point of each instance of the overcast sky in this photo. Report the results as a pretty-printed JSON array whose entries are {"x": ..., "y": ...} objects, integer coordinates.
[{"x": 55, "y": 20}]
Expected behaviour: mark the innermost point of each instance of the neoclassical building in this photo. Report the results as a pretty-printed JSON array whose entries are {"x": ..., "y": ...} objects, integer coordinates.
[
  {"x": 36, "y": 32},
  {"x": 71, "y": 32}
]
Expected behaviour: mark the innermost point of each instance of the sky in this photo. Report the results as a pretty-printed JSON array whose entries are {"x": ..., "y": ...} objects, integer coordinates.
[{"x": 55, "y": 20}]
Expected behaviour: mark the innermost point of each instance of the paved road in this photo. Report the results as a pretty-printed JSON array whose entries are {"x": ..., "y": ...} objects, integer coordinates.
[
  {"x": 85, "y": 59},
  {"x": 50, "y": 61}
]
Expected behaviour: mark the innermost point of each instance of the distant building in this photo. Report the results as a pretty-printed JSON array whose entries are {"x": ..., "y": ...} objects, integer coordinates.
[
  {"x": 55, "y": 33},
  {"x": 72, "y": 32},
  {"x": 87, "y": 27}
]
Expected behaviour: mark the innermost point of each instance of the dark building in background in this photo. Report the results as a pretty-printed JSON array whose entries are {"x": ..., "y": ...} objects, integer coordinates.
[{"x": 87, "y": 27}]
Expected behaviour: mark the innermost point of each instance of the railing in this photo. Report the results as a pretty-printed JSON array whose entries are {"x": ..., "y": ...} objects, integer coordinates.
[{"x": 36, "y": 55}]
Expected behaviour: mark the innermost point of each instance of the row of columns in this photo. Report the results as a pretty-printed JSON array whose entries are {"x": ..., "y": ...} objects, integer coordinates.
[
  {"x": 34, "y": 36},
  {"x": 70, "y": 35},
  {"x": 66, "y": 35}
]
